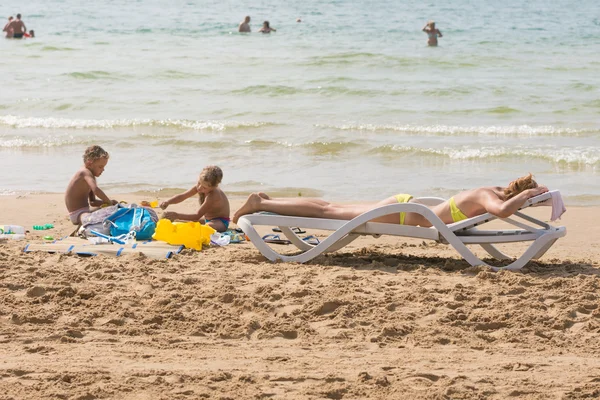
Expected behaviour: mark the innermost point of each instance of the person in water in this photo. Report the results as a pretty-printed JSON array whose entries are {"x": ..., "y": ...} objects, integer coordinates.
[
  {"x": 214, "y": 205},
  {"x": 266, "y": 28},
  {"x": 8, "y": 29},
  {"x": 432, "y": 33},
  {"x": 497, "y": 200},
  {"x": 244, "y": 26},
  {"x": 18, "y": 27}
]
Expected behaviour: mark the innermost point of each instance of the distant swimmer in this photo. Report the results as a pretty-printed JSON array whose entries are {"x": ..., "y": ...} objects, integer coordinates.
[
  {"x": 266, "y": 28},
  {"x": 298, "y": 19},
  {"x": 18, "y": 27},
  {"x": 245, "y": 25},
  {"x": 432, "y": 33},
  {"x": 7, "y": 28}
]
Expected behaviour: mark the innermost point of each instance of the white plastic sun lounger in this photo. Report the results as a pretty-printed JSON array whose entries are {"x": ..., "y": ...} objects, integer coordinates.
[{"x": 458, "y": 235}]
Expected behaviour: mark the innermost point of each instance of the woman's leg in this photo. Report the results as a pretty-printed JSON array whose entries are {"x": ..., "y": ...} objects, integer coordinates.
[
  {"x": 312, "y": 208},
  {"x": 312, "y": 200},
  {"x": 292, "y": 199}
]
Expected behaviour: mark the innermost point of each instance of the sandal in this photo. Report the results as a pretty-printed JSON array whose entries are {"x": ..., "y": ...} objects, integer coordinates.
[
  {"x": 275, "y": 239},
  {"x": 296, "y": 230},
  {"x": 311, "y": 240}
]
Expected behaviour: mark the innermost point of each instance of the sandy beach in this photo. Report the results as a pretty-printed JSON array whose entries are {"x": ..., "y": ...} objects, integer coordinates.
[{"x": 384, "y": 318}]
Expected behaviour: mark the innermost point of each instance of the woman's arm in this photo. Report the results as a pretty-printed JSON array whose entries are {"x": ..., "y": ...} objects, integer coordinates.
[
  {"x": 439, "y": 33},
  {"x": 178, "y": 198},
  {"x": 504, "y": 209}
]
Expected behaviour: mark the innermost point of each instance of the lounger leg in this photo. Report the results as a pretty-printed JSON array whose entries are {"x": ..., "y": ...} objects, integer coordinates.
[
  {"x": 258, "y": 241},
  {"x": 494, "y": 252},
  {"x": 537, "y": 248},
  {"x": 544, "y": 249},
  {"x": 296, "y": 241},
  {"x": 343, "y": 242}
]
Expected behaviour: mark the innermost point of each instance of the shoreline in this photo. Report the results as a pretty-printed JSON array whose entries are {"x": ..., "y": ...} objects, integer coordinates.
[{"x": 577, "y": 201}]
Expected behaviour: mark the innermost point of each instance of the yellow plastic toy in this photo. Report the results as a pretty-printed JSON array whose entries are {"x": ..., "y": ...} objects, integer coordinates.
[
  {"x": 190, "y": 234},
  {"x": 145, "y": 203}
]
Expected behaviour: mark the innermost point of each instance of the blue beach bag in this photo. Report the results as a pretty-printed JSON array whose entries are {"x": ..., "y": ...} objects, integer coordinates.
[{"x": 140, "y": 220}]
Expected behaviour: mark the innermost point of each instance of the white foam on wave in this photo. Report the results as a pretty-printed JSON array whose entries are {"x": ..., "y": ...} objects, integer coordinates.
[
  {"x": 66, "y": 123},
  {"x": 577, "y": 155},
  {"x": 449, "y": 130},
  {"x": 43, "y": 142},
  {"x": 7, "y": 192}
]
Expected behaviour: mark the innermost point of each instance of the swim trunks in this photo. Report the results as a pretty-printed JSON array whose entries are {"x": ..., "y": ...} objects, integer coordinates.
[
  {"x": 403, "y": 198},
  {"x": 224, "y": 220},
  {"x": 457, "y": 215},
  {"x": 17, "y": 35},
  {"x": 75, "y": 216}
]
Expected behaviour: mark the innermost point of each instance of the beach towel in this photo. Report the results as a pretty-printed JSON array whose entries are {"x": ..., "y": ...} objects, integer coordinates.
[{"x": 115, "y": 220}]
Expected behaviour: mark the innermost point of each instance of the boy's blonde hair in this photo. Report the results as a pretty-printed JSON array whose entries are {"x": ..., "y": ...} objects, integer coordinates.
[
  {"x": 519, "y": 185},
  {"x": 211, "y": 175},
  {"x": 94, "y": 153}
]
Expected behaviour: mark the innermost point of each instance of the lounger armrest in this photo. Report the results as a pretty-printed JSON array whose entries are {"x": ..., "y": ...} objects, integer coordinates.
[{"x": 539, "y": 199}]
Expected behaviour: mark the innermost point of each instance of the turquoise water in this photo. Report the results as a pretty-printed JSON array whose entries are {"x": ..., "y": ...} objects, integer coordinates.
[{"x": 348, "y": 104}]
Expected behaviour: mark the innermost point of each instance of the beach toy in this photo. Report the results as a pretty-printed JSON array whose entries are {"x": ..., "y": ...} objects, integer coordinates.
[
  {"x": 219, "y": 239},
  {"x": 48, "y": 238},
  {"x": 11, "y": 229},
  {"x": 192, "y": 235},
  {"x": 152, "y": 204},
  {"x": 43, "y": 227}
]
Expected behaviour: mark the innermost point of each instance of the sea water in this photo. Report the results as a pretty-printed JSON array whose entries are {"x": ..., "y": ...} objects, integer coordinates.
[{"x": 349, "y": 104}]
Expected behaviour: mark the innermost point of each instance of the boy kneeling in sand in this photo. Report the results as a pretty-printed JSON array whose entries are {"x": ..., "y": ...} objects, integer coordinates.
[{"x": 82, "y": 190}]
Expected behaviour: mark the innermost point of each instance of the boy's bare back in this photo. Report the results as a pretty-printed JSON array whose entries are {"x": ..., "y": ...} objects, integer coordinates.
[
  {"x": 217, "y": 204},
  {"x": 78, "y": 191},
  {"x": 82, "y": 191}
]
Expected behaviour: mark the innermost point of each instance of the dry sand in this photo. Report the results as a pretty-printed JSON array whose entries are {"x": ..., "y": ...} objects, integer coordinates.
[{"x": 384, "y": 319}]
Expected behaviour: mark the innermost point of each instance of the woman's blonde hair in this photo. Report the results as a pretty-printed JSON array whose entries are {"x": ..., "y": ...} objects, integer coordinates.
[
  {"x": 211, "y": 175},
  {"x": 519, "y": 185}
]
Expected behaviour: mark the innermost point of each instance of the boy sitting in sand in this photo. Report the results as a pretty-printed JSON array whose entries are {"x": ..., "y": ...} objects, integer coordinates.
[
  {"x": 82, "y": 190},
  {"x": 214, "y": 205}
]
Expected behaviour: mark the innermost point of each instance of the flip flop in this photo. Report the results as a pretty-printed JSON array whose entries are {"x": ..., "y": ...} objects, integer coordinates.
[
  {"x": 296, "y": 230},
  {"x": 275, "y": 239},
  {"x": 311, "y": 240}
]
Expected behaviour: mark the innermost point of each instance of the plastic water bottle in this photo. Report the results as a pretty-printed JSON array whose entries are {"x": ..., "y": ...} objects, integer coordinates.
[
  {"x": 11, "y": 229},
  {"x": 43, "y": 227}
]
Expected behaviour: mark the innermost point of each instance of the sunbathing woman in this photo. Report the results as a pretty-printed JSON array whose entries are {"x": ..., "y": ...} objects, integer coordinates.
[{"x": 499, "y": 201}]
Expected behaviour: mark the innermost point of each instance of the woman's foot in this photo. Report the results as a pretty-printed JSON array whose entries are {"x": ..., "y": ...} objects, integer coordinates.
[
  {"x": 251, "y": 205},
  {"x": 264, "y": 195}
]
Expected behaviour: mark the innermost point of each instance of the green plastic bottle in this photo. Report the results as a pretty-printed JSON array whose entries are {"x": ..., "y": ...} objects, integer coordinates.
[{"x": 43, "y": 227}]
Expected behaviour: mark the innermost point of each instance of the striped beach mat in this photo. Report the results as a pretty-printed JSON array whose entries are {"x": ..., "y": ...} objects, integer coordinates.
[{"x": 82, "y": 247}]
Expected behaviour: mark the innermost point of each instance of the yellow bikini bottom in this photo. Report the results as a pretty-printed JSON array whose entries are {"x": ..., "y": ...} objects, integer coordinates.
[
  {"x": 457, "y": 215},
  {"x": 403, "y": 198}
]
